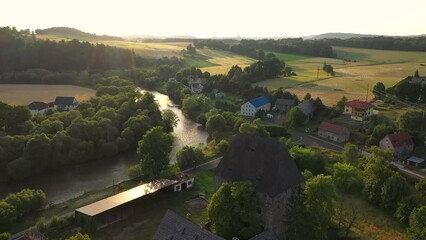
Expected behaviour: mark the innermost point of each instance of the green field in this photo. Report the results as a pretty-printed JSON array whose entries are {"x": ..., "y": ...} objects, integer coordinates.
[
  {"x": 24, "y": 94},
  {"x": 353, "y": 79}
]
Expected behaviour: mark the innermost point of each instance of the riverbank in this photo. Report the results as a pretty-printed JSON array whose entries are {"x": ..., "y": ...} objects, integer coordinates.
[{"x": 153, "y": 209}]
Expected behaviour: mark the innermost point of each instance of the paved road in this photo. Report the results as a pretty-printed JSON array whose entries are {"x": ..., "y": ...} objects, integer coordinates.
[{"x": 310, "y": 140}]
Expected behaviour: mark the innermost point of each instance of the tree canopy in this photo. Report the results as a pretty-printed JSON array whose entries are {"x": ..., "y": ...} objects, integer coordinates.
[
  {"x": 154, "y": 149},
  {"x": 233, "y": 210}
]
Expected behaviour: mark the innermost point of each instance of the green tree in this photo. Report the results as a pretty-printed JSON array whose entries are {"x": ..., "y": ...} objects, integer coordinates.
[
  {"x": 416, "y": 73},
  {"x": 417, "y": 229},
  {"x": 170, "y": 120},
  {"x": 308, "y": 158},
  {"x": 215, "y": 123},
  {"x": 296, "y": 117},
  {"x": 393, "y": 190},
  {"x": 340, "y": 105},
  {"x": 8, "y": 215},
  {"x": 351, "y": 154},
  {"x": 405, "y": 206},
  {"x": 154, "y": 149},
  {"x": 421, "y": 187},
  {"x": 410, "y": 121},
  {"x": 233, "y": 210},
  {"x": 189, "y": 156},
  {"x": 376, "y": 171},
  {"x": 319, "y": 203},
  {"x": 79, "y": 236},
  {"x": 379, "y": 90},
  {"x": 347, "y": 178},
  {"x": 297, "y": 218},
  {"x": 134, "y": 171},
  {"x": 5, "y": 236}
]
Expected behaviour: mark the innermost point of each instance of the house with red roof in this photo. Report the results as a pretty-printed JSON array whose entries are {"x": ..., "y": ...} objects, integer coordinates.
[
  {"x": 401, "y": 143},
  {"x": 333, "y": 132},
  {"x": 359, "y": 110}
]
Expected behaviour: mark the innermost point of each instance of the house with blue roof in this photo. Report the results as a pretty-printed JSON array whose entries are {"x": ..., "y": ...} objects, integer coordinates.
[{"x": 250, "y": 108}]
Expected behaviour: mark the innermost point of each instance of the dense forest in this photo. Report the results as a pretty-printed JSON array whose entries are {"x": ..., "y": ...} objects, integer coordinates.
[
  {"x": 383, "y": 43},
  {"x": 72, "y": 32},
  {"x": 286, "y": 45},
  {"x": 21, "y": 52}
]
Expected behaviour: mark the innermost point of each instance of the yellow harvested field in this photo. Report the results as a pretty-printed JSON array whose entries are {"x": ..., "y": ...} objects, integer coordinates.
[
  {"x": 152, "y": 50},
  {"x": 24, "y": 94},
  {"x": 223, "y": 60},
  {"x": 354, "y": 81},
  {"x": 352, "y": 78}
]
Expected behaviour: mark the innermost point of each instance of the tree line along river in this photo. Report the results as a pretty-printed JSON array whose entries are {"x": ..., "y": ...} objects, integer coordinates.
[{"x": 74, "y": 181}]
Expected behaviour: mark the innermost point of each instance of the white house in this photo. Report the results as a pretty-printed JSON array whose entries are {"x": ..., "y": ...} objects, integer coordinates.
[
  {"x": 250, "y": 108},
  {"x": 65, "y": 103},
  {"x": 38, "y": 107}
]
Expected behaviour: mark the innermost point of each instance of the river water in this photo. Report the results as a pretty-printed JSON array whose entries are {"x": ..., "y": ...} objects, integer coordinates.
[{"x": 73, "y": 181}]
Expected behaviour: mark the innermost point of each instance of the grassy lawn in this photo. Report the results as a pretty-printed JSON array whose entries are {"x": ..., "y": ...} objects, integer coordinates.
[
  {"x": 24, "y": 94},
  {"x": 371, "y": 222},
  {"x": 144, "y": 221}
]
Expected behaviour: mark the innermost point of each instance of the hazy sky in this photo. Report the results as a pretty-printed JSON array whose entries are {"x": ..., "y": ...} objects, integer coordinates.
[{"x": 219, "y": 18}]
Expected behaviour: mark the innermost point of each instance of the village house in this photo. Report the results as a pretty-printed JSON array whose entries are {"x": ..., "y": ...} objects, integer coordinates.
[
  {"x": 359, "y": 110},
  {"x": 308, "y": 108},
  {"x": 65, "y": 103},
  {"x": 268, "y": 165},
  {"x": 401, "y": 143},
  {"x": 38, "y": 107},
  {"x": 283, "y": 105},
  {"x": 218, "y": 94},
  {"x": 250, "y": 108},
  {"x": 195, "y": 84},
  {"x": 333, "y": 132}
]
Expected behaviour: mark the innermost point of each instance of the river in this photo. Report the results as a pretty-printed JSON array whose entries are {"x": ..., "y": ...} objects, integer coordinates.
[{"x": 73, "y": 181}]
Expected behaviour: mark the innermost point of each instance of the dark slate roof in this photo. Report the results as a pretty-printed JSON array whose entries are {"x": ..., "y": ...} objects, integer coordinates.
[
  {"x": 284, "y": 102},
  {"x": 266, "y": 235},
  {"x": 307, "y": 107},
  {"x": 32, "y": 235},
  {"x": 263, "y": 161},
  {"x": 260, "y": 101},
  {"x": 67, "y": 101},
  {"x": 175, "y": 227},
  {"x": 38, "y": 106}
]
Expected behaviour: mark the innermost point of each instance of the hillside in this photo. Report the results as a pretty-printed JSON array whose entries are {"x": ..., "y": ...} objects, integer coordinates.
[
  {"x": 67, "y": 32},
  {"x": 345, "y": 36}
]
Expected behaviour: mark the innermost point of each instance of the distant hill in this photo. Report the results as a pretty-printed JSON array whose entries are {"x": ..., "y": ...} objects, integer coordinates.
[
  {"x": 339, "y": 36},
  {"x": 345, "y": 36},
  {"x": 74, "y": 33}
]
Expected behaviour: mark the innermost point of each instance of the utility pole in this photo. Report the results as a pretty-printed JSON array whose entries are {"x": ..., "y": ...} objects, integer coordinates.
[
  {"x": 368, "y": 89},
  {"x": 317, "y": 73}
]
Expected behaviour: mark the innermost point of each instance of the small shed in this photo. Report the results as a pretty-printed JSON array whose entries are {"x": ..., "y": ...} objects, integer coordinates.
[{"x": 416, "y": 161}]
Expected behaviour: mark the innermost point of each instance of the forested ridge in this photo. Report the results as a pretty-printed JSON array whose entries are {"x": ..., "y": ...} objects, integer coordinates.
[
  {"x": 382, "y": 43},
  {"x": 20, "y": 52}
]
